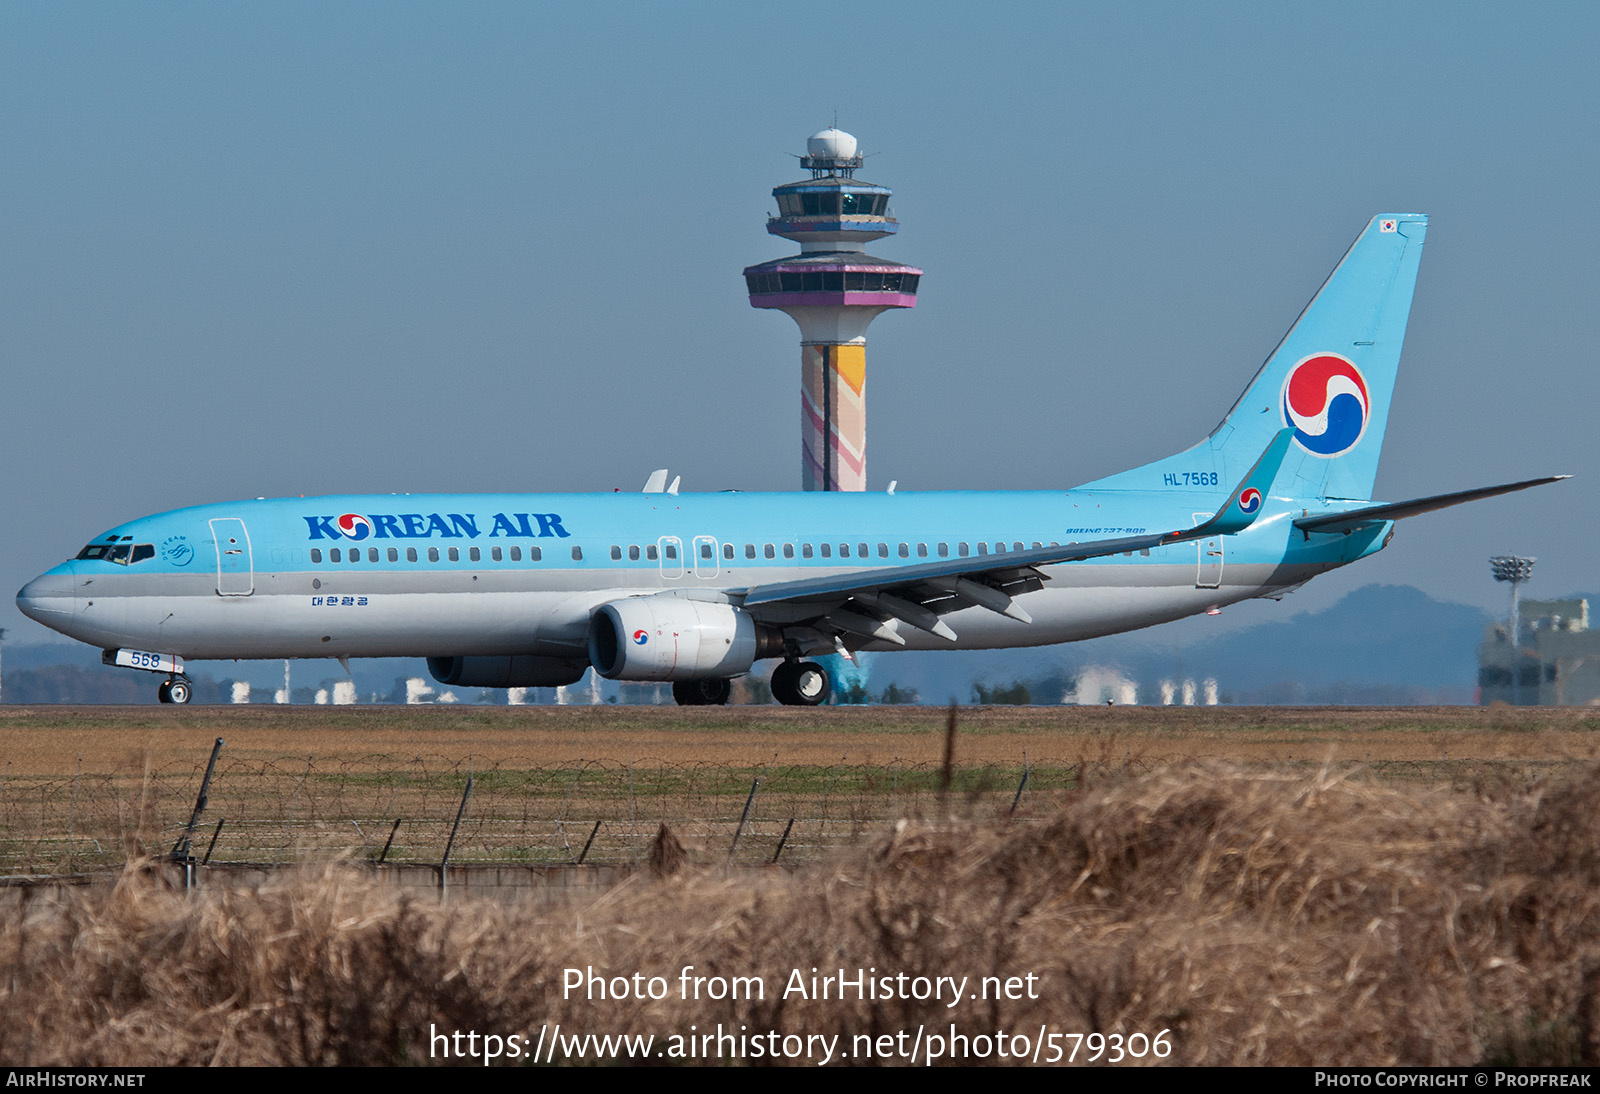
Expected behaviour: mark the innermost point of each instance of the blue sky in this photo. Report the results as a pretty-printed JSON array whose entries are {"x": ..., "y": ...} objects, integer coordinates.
[{"x": 297, "y": 249}]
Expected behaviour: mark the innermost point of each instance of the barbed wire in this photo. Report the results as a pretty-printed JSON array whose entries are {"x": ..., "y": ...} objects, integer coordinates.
[{"x": 288, "y": 809}]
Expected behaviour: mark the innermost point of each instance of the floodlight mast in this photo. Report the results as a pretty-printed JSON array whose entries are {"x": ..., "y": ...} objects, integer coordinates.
[{"x": 1513, "y": 569}]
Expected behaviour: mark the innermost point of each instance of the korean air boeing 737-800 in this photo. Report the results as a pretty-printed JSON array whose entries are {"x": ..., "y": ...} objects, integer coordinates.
[{"x": 508, "y": 590}]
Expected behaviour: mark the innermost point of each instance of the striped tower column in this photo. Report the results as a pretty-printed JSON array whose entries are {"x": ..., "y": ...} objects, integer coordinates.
[{"x": 833, "y": 410}]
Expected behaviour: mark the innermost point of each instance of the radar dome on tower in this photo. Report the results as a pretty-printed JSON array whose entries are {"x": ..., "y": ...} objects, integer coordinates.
[
  {"x": 831, "y": 143},
  {"x": 831, "y": 152}
]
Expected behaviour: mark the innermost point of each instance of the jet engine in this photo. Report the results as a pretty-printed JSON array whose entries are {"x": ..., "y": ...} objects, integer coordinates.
[
  {"x": 671, "y": 638},
  {"x": 506, "y": 672}
]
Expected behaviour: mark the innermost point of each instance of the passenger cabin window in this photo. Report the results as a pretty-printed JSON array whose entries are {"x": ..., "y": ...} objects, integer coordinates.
[
  {"x": 768, "y": 551},
  {"x": 616, "y": 553},
  {"x": 827, "y": 550},
  {"x": 474, "y": 555},
  {"x": 516, "y": 554},
  {"x": 705, "y": 550},
  {"x": 961, "y": 549},
  {"x": 844, "y": 550},
  {"x": 335, "y": 555},
  {"x": 633, "y": 552},
  {"x": 905, "y": 551},
  {"x": 727, "y": 550},
  {"x": 862, "y": 553},
  {"x": 671, "y": 550},
  {"x": 394, "y": 554},
  {"x": 944, "y": 550},
  {"x": 455, "y": 554},
  {"x": 372, "y": 554},
  {"x": 316, "y": 555},
  {"x": 649, "y": 552},
  {"x": 411, "y": 554},
  {"x": 433, "y": 554},
  {"x": 749, "y": 550},
  {"x": 495, "y": 554},
  {"x": 883, "y": 550},
  {"x": 577, "y": 554},
  {"x": 805, "y": 550},
  {"x": 922, "y": 550}
]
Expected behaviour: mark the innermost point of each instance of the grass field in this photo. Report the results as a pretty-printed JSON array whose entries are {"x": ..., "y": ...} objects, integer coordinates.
[
  {"x": 82, "y": 787},
  {"x": 1368, "y": 887}
]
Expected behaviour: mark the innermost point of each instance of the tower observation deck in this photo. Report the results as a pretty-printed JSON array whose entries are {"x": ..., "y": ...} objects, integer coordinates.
[{"x": 833, "y": 289}]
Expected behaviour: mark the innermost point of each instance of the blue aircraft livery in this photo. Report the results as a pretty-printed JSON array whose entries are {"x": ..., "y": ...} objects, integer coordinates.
[{"x": 535, "y": 590}]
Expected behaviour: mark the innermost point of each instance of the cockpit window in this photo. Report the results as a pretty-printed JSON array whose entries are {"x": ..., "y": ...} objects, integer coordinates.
[{"x": 124, "y": 554}]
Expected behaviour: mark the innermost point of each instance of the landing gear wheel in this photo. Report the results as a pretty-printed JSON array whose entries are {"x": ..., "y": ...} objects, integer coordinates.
[
  {"x": 801, "y": 684},
  {"x": 702, "y": 693},
  {"x": 164, "y": 692},
  {"x": 174, "y": 691}
]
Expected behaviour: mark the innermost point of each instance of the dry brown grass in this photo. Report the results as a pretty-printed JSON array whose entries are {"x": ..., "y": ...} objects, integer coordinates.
[{"x": 1262, "y": 917}]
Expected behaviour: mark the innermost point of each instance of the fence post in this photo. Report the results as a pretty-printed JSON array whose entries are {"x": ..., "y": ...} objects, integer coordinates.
[
  {"x": 444, "y": 863},
  {"x": 595, "y": 831},
  {"x": 1023, "y": 785},
  {"x": 739, "y": 831},
  {"x": 212, "y": 846},
  {"x": 786, "y": 829},
  {"x": 388, "y": 842},
  {"x": 182, "y": 851}
]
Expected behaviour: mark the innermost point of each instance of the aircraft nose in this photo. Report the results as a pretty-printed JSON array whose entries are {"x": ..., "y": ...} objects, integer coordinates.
[{"x": 48, "y": 598}]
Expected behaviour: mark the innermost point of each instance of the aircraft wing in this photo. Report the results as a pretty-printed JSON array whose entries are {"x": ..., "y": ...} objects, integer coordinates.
[
  {"x": 1351, "y": 519},
  {"x": 866, "y": 602}
]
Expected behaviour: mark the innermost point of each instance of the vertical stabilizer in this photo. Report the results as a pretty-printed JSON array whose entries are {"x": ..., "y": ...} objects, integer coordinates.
[{"x": 1330, "y": 380}]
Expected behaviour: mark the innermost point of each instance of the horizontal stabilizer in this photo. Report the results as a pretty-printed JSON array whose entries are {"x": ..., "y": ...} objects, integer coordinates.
[{"x": 1352, "y": 519}]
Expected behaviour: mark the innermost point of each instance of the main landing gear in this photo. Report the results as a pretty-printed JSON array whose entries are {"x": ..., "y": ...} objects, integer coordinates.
[
  {"x": 702, "y": 693},
  {"x": 794, "y": 684},
  {"x": 175, "y": 690},
  {"x": 801, "y": 684}
]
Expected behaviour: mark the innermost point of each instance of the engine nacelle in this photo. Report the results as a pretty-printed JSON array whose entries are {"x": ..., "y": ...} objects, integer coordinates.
[
  {"x": 670, "y": 638},
  {"x": 506, "y": 672}
]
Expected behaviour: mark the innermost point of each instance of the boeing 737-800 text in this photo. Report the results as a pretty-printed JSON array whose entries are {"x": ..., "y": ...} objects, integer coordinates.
[{"x": 531, "y": 590}]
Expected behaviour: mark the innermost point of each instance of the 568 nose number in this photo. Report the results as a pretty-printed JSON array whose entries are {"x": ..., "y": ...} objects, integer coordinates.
[{"x": 141, "y": 659}]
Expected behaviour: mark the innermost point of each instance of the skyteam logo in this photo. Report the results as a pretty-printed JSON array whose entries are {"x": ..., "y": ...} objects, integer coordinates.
[
  {"x": 1325, "y": 400},
  {"x": 354, "y": 526},
  {"x": 640, "y": 638},
  {"x": 1250, "y": 500}
]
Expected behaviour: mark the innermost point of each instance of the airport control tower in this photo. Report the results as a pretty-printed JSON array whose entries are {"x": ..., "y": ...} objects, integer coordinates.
[{"x": 834, "y": 290}]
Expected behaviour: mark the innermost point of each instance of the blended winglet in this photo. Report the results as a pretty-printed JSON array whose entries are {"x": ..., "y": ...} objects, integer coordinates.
[{"x": 1244, "y": 505}]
